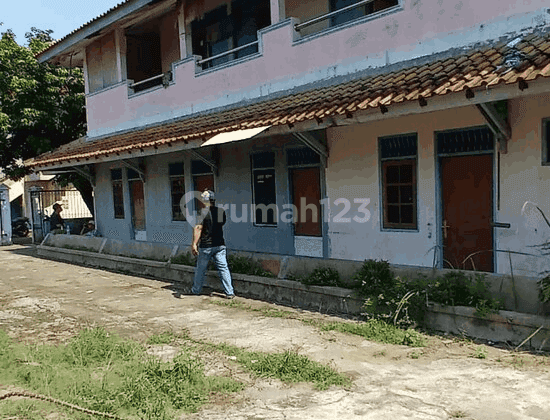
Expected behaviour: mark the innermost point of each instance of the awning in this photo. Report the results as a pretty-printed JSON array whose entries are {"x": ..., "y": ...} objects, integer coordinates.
[{"x": 237, "y": 135}]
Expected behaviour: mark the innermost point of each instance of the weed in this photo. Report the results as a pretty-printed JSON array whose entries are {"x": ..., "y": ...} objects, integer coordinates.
[
  {"x": 166, "y": 337},
  {"x": 102, "y": 372},
  {"x": 325, "y": 276},
  {"x": 479, "y": 353},
  {"x": 185, "y": 259},
  {"x": 288, "y": 366},
  {"x": 380, "y": 353},
  {"x": 245, "y": 265},
  {"x": 379, "y": 331},
  {"x": 544, "y": 289},
  {"x": 458, "y": 414},
  {"x": 415, "y": 355}
]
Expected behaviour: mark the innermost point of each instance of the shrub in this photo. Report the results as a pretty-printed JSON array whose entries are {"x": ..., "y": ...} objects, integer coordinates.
[
  {"x": 544, "y": 289},
  {"x": 245, "y": 265},
  {"x": 185, "y": 259},
  {"x": 323, "y": 277}
]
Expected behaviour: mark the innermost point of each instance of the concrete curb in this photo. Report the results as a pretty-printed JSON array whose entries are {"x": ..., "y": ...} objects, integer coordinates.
[
  {"x": 332, "y": 300},
  {"x": 506, "y": 326}
]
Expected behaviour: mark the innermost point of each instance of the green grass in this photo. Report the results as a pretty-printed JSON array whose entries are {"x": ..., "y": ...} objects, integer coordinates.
[
  {"x": 374, "y": 330},
  {"x": 102, "y": 372},
  {"x": 288, "y": 366},
  {"x": 166, "y": 337},
  {"x": 378, "y": 331}
]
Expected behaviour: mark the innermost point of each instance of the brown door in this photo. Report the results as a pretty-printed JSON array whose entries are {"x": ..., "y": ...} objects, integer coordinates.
[
  {"x": 467, "y": 212},
  {"x": 204, "y": 182},
  {"x": 138, "y": 204},
  {"x": 201, "y": 183},
  {"x": 306, "y": 194}
]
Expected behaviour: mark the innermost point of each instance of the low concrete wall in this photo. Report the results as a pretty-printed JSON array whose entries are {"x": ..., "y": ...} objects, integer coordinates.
[
  {"x": 322, "y": 299},
  {"x": 506, "y": 326},
  {"x": 512, "y": 327},
  {"x": 518, "y": 293}
]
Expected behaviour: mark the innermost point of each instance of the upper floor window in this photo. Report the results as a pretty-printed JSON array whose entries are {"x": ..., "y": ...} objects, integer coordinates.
[
  {"x": 118, "y": 196},
  {"x": 224, "y": 31},
  {"x": 177, "y": 189},
  {"x": 263, "y": 183},
  {"x": 363, "y": 8},
  {"x": 546, "y": 141},
  {"x": 398, "y": 157},
  {"x": 150, "y": 51}
]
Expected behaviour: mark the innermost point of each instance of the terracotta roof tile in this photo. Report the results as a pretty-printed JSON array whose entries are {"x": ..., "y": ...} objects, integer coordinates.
[{"x": 484, "y": 66}]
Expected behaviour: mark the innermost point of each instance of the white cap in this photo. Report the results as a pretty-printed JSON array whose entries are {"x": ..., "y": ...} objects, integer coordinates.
[{"x": 208, "y": 195}]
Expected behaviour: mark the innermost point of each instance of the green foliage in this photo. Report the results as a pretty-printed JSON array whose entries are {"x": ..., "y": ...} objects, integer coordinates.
[
  {"x": 102, "y": 372},
  {"x": 185, "y": 259},
  {"x": 288, "y": 366},
  {"x": 380, "y": 331},
  {"x": 245, "y": 265},
  {"x": 41, "y": 106},
  {"x": 544, "y": 289},
  {"x": 166, "y": 337},
  {"x": 323, "y": 277},
  {"x": 401, "y": 302},
  {"x": 479, "y": 353}
]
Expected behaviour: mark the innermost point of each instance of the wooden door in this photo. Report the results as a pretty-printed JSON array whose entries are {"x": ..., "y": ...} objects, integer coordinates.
[
  {"x": 306, "y": 195},
  {"x": 137, "y": 204},
  {"x": 201, "y": 183},
  {"x": 467, "y": 188}
]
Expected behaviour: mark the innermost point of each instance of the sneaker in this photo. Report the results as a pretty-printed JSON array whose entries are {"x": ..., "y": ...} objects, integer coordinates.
[{"x": 230, "y": 297}]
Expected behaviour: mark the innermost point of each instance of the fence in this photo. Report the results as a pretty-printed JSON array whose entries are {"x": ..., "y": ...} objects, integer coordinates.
[{"x": 75, "y": 212}]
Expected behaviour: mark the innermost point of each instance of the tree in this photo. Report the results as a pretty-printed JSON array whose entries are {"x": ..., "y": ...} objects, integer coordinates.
[{"x": 41, "y": 106}]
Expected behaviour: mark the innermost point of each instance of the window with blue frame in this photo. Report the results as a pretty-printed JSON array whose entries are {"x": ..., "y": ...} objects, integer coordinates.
[
  {"x": 398, "y": 159},
  {"x": 263, "y": 184},
  {"x": 118, "y": 195},
  {"x": 359, "y": 11},
  {"x": 229, "y": 27},
  {"x": 177, "y": 189},
  {"x": 546, "y": 141}
]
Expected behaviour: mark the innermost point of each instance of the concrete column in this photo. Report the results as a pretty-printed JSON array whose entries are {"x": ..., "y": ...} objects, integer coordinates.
[
  {"x": 120, "y": 46},
  {"x": 5, "y": 216},
  {"x": 85, "y": 71},
  {"x": 184, "y": 33},
  {"x": 37, "y": 217},
  {"x": 277, "y": 11}
]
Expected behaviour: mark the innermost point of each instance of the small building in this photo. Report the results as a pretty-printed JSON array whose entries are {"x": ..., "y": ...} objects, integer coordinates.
[{"x": 414, "y": 132}]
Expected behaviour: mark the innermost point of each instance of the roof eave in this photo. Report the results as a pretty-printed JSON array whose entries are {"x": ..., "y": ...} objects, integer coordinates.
[{"x": 77, "y": 39}]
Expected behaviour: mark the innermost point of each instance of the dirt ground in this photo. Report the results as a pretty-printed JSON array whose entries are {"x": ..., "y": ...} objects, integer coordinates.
[{"x": 43, "y": 300}]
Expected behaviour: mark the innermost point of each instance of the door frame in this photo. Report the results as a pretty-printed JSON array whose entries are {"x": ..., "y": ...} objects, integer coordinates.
[
  {"x": 438, "y": 249},
  {"x": 323, "y": 209}
]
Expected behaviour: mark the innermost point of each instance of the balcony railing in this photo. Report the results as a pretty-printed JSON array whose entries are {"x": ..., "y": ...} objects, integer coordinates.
[
  {"x": 163, "y": 79},
  {"x": 330, "y": 14},
  {"x": 204, "y": 62}
]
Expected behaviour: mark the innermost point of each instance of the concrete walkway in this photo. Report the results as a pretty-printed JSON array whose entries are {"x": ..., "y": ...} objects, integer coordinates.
[{"x": 49, "y": 301}]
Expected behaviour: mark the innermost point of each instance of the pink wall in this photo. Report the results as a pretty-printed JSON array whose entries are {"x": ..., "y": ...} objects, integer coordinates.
[{"x": 405, "y": 34}]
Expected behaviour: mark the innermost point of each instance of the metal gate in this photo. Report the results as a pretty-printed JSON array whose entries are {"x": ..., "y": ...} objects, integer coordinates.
[{"x": 75, "y": 212}]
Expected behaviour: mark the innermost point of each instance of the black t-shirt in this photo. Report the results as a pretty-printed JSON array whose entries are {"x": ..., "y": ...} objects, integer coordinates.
[
  {"x": 56, "y": 220},
  {"x": 212, "y": 228}
]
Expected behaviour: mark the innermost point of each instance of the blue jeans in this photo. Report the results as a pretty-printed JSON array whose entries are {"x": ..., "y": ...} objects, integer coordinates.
[{"x": 219, "y": 254}]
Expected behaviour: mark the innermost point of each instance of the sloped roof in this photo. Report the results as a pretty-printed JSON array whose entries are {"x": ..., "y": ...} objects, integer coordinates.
[
  {"x": 525, "y": 59},
  {"x": 58, "y": 41}
]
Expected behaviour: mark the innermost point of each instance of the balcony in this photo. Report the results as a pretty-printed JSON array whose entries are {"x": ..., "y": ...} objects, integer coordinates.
[{"x": 183, "y": 59}]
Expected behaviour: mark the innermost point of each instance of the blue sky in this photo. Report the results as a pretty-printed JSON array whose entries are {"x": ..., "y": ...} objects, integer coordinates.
[{"x": 63, "y": 16}]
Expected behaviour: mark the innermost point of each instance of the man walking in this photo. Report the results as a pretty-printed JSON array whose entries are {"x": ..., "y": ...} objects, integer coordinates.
[{"x": 208, "y": 243}]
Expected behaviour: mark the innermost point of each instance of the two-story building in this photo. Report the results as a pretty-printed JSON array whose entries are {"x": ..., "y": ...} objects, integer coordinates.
[{"x": 407, "y": 130}]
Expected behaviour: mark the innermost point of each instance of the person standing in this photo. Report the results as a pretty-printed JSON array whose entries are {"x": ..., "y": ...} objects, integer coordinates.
[
  {"x": 57, "y": 224},
  {"x": 208, "y": 244}
]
